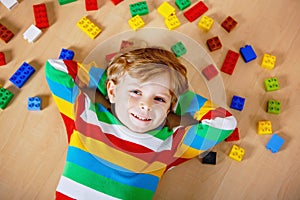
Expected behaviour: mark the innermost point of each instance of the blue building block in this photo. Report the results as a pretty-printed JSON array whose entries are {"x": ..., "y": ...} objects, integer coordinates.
[
  {"x": 22, "y": 75},
  {"x": 275, "y": 143},
  {"x": 34, "y": 103},
  {"x": 66, "y": 54},
  {"x": 248, "y": 53},
  {"x": 237, "y": 103}
]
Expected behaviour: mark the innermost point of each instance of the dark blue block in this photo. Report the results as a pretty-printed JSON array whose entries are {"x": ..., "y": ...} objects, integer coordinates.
[
  {"x": 66, "y": 54},
  {"x": 237, "y": 103},
  {"x": 275, "y": 143},
  {"x": 248, "y": 53},
  {"x": 22, "y": 75},
  {"x": 210, "y": 158}
]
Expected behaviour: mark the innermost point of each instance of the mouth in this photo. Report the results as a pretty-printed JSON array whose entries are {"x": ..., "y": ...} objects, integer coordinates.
[{"x": 145, "y": 119}]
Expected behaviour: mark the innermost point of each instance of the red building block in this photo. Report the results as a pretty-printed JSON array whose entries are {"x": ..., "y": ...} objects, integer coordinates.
[
  {"x": 196, "y": 11},
  {"x": 210, "y": 72},
  {"x": 91, "y": 5},
  {"x": 234, "y": 136},
  {"x": 116, "y": 2},
  {"x": 40, "y": 15},
  {"x": 214, "y": 43},
  {"x": 2, "y": 59},
  {"x": 5, "y": 34},
  {"x": 230, "y": 62},
  {"x": 228, "y": 24}
]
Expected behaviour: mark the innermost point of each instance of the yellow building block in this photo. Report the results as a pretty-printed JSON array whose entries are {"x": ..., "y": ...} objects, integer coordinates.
[
  {"x": 237, "y": 153},
  {"x": 205, "y": 23},
  {"x": 264, "y": 127},
  {"x": 88, "y": 27},
  {"x": 136, "y": 22},
  {"x": 165, "y": 9},
  {"x": 172, "y": 22},
  {"x": 268, "y": 61}
]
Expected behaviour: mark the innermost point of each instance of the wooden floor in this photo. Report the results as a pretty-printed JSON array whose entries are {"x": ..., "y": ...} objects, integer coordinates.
[{"x": 33, "y": 144}]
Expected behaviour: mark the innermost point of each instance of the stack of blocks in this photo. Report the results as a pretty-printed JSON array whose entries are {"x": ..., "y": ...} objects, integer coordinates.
[{"x": 169, "y": 13}]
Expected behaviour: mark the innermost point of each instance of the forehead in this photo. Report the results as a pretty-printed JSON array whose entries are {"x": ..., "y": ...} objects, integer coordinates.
[{"x": 161, "y": 80}]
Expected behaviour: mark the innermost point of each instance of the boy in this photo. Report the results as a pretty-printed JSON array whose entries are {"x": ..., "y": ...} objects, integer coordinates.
[{"x": 122, "y": 154}]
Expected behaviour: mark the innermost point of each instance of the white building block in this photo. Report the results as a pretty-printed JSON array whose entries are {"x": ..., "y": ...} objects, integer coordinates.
[
  {"x": 32, "y": 33},
  {"x": 9, "y": 4}
]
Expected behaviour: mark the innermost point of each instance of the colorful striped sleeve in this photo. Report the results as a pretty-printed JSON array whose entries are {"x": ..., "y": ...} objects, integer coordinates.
[
  {"x": 215, "y": 124},
  {"x": 63, "y": 77}
]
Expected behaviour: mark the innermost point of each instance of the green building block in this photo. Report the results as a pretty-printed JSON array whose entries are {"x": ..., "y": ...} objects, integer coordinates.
[
  {"x": 62, "y": 2},
  {"x": 274, "y": 107},
  {"x": 271, "y": 84},
  {"x": 139, "y": 8},
  {"x": 178, "y": 49},
  {"x": 182, "y": 4},
  {"x": 5, "y": 97}
]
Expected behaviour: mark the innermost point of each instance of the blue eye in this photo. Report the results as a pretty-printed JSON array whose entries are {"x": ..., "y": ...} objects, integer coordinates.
[{"x": 160, "y": 99}]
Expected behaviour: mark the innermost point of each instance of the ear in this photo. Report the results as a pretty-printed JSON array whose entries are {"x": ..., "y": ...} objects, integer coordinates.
[{"x": 111, "y": 91}]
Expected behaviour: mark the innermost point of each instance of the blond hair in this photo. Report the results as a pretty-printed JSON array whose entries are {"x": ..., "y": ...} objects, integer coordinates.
[{"x": 145, "y": 63}]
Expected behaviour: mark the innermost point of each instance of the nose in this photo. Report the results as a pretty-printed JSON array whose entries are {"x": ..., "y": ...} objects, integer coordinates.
[{"x": 145, "y": 105}]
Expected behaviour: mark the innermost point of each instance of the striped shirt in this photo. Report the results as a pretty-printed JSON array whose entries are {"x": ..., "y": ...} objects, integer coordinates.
[{"x": 105, "y": 159}]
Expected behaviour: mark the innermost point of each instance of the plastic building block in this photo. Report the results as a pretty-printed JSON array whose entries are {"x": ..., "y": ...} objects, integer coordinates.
[
  {"x": 268, "y": 61},
  {"x": 136, "y": 22},
  {"x": 63, "y": 2},
  {"x": 91, "y": 5},
  {"x": 214, "y": 43},
  {"x": 182, "y": 4},
  {"x": 2, "y": 59},
  {"x": 9, "y": 4},
  {"x": 66, "y": 54},
  {"x": 271, "y": 84},
  {"x": 165, "y": 9},
  {"x": 196, "y": 11},
  {"x": 274, "y": 107},
  {"x": 108, "y": 57},
  {"x": 5, "y": 34},
  {"x": 210, "y": 158},
  {"x": 178, "y": 49},
  {"x": 210, "y": 72},
  {"x": 116, "y": 2},
  {"x": 248, "y": 53},
  {"x": 32, "y": 33},
  {"x": 22, "y": 75},
  {"x": 230, "y": 62},
  {"x": 88, "y": 27},
  {"x": 228, "y": 24},
  {"x": 205, "y": 23},
  {"x": 139, "y": 8},
  {"x": 34, "y": 103},
  {"x": 237, "y": 103},
  {"x": 5, "y": 97},
  {"x": 126, "y": 44},
  {"x": 234, "y": 136},
  {"x": 264, "y": 127},
  {"x": 275, "y": 143},
  {"x": 237, "y": 153},
  {"x": 172, "y": 22},
  {"x": 40, "y": 15}
]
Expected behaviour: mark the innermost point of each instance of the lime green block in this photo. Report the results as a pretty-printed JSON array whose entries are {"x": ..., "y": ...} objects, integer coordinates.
[{"x": 274, "y": 107}]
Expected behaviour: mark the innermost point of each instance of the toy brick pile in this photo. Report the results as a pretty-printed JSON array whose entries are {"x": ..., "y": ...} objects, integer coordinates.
[{"x": 168, "y": 12}]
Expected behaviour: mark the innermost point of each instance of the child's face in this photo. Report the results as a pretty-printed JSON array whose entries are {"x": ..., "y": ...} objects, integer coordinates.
[{"x": 141, "y": 106}]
